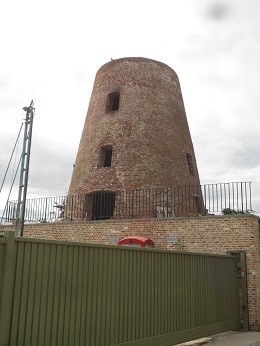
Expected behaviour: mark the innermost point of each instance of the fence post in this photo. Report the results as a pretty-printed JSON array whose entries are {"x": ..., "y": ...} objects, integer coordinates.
[
  {"x": 7, "y": 289},
  {"x": 241, "y": 264}
]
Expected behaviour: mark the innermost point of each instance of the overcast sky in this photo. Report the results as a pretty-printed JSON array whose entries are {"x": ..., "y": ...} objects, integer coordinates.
[{"x": 51, "y": 51}]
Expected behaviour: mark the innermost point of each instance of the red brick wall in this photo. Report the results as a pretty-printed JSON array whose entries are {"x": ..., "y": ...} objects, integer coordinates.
[
  {"x": 149, "y": 132},
  {"x": 212, "y": 234}
]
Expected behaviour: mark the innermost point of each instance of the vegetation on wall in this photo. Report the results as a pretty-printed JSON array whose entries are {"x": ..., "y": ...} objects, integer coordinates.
[{"x": 229, "y": 211}]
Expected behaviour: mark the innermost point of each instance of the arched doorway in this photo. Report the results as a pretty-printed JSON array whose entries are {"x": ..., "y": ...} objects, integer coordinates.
[{"x": 103, "y": 204}]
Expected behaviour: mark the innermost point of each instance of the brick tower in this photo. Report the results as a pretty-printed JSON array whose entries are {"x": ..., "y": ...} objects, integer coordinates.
[{"x": 136, "y": 134}]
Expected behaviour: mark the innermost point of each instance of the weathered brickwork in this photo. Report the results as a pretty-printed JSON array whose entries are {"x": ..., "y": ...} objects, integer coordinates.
[
  {"x": 136, "y": 110},
  {"x": 213, "y": 234}
]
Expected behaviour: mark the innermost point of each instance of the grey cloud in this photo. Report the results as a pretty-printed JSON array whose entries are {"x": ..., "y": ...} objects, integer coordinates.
[
  {"x": 51, "y": 167},
  {"x": 247, "y": 156},
  {"x": 81, "y": 76},
  {"x": 218, "y": 11},
  {"x": 5, "y": 80}
]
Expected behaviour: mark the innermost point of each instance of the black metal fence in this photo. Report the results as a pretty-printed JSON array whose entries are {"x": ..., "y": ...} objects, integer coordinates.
[{"x": 227, "y": 198}]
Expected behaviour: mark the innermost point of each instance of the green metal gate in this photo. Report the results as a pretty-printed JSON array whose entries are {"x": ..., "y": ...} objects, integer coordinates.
[{"x": 61, "y": 293}]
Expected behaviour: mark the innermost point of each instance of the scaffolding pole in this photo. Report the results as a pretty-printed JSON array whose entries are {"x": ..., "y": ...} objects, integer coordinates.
[{"x": 24, "y": 173}]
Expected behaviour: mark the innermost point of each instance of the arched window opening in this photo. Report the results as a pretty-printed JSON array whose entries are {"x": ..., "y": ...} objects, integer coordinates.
[
  {"x": 198, "y": 204},
  {"x": 113, "y": 102},
  {"x": 190, "y": 164},
  {"x": 106, "y": 156}
]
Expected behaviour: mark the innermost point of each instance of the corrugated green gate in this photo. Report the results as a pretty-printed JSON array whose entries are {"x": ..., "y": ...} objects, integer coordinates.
[{"x": 61, "y": 293}]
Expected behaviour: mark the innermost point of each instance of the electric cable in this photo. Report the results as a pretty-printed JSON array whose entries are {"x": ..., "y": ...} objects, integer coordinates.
[
  {"x": 11, "y": 189},
  {"x": 11, "y": 158}
]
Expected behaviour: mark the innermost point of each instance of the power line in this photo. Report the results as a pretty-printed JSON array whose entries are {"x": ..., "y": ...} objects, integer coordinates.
[
  {"x": 11, "y": 158},
  {"x": 10, "y": 191}
]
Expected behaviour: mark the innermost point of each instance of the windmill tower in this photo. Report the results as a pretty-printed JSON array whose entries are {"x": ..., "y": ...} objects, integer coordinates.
[{"x": 136, "y": 134}]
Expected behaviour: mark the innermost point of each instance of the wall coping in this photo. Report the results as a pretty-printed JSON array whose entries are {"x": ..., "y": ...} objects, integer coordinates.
[{"x": 176, "y": 218}]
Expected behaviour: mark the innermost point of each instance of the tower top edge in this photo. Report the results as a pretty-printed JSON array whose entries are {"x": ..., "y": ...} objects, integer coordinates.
[{"x": 116, "y": 62}]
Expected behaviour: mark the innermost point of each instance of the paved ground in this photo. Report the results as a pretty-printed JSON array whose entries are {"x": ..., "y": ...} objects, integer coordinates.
[
  {"x": 237, "y": 339},
  {"x": 232, "y": 338}
]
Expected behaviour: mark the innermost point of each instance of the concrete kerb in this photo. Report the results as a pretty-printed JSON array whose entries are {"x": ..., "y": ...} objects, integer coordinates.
[{"x": 230, "y": 338}]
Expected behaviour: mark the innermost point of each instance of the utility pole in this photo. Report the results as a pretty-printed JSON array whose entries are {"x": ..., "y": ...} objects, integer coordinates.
[{"x": 24, "y": 173}]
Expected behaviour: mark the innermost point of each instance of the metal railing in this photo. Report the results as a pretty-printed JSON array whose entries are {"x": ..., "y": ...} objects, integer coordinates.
[{"x": 227, "y": 198}]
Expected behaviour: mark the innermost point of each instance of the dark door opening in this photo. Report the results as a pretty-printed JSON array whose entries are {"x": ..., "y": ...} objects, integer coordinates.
[{"x": 103, "y": 205}]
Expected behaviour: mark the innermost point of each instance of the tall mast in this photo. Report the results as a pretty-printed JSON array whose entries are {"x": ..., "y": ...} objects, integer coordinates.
[{"x": 24, "y": 174}]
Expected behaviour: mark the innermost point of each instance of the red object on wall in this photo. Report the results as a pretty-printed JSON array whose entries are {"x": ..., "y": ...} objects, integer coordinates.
[{"x": 136, "y": 241}]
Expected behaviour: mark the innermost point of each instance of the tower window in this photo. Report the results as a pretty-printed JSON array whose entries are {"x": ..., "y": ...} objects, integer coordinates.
[
  {"x": 106, "y": 157},
  {"x": 113, "y": 101},
  {"x": 198, "y": 204},
  {"x": 190, "y": 164}
]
